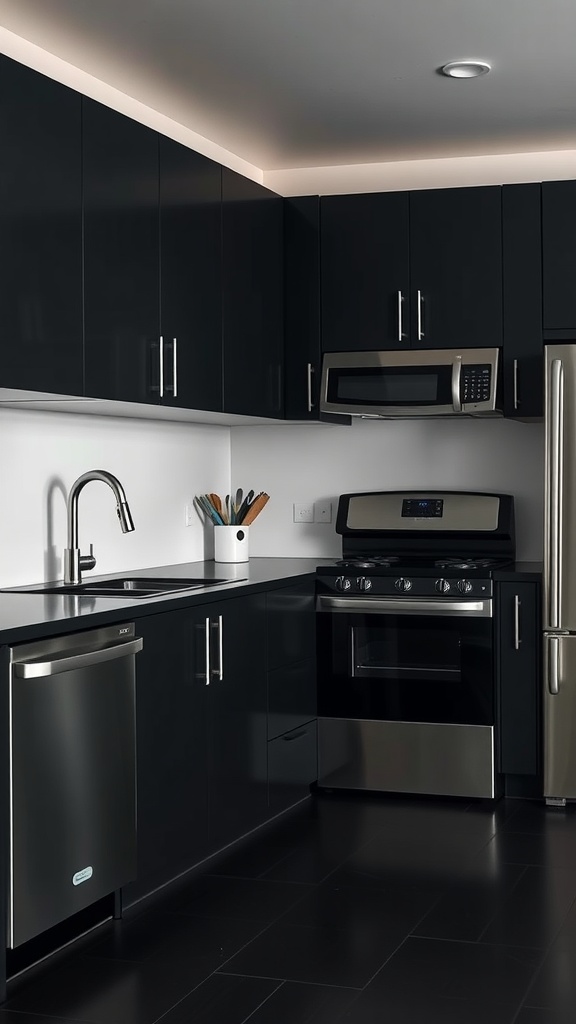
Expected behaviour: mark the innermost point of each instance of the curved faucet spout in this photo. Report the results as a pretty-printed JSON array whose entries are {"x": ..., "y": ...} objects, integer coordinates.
[{"x": 74, "y": 561}]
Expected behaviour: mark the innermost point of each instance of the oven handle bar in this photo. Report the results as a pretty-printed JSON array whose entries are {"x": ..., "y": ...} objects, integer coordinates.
[{"x": 407, "y": 606}]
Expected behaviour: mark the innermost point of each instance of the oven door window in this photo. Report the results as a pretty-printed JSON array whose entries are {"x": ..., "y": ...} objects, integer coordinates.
[{"x": 406, "y": 668}]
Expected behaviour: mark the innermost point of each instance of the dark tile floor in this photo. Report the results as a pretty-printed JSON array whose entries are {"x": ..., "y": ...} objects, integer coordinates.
[{"x": 366, "y": 910}]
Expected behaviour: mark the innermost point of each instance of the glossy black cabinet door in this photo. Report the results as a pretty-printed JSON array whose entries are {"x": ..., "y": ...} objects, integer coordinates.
[
  {"x": 121, "y": 256},
  {"x": 519, "y": 677},
  {"x": 291, "y": 624},
  {"x": 522, "y": 295},
  {"x": 191, "y": 277},
  {"x": 237, "y": 718},
  {"x": 40, "y": 233},
  {"x": 171, "y": 743},
  {"x": 559, "y": 254},
  {"x": 252, "y": 230},
  {"x": 365, "y": 272},
  {"x": 456, "y": 268},
  {"x": 302, "y": 357}
]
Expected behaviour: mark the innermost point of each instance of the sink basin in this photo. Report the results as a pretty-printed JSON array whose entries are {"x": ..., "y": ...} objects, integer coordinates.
[{"x": 126, "y": 586}]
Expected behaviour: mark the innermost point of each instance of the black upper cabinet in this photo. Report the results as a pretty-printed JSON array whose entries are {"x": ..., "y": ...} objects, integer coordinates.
[
  {"x": 40, "y": 233},
  {"x": 559, "y": 255},
  {"x": 252, "y": 234},
  {"x": 121, "y": 256},
  {"x": 419, "y": 269},
  {"x": 191, "y": 278},
  {"x": 302, "y": 359},
  {"x": 522, "y": 295},
  {"x": 456, "y": 267},
  {"x": 365, "y": 272}
]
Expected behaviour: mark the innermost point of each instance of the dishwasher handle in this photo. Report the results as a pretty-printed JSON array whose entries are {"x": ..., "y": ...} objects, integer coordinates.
[{"x": 35, "y": 669}]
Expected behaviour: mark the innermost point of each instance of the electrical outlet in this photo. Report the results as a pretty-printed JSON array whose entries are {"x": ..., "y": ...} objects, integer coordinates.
[
  {"x": 322, "y": 511},
  {"x": 188, "y": 514},
  {"x": 303, "y": 513}
]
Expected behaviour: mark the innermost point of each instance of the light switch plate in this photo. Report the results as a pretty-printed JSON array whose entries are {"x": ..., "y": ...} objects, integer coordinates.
[{"x": 303, "y": 513}]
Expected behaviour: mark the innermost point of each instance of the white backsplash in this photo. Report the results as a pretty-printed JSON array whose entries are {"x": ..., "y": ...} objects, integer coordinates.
[
  {"x": 304, "y": 464},
  {"x": 160, "y": 465}
]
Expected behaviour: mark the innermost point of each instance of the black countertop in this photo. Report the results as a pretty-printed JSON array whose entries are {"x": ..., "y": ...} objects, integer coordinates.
[
  {"x": 25, "y": 616},
  {"x": 528, "y": 571}
]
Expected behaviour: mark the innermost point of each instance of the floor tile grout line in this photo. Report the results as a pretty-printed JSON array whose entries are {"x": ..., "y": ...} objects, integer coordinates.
[
  {"x": 292, "y": 981},
  {"x": 264, "y": 1001},
  {"x": 504, "y": 902}
]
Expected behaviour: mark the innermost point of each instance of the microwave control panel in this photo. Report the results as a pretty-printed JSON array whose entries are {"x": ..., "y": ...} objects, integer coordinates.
[{"x": 475, "y": 382}]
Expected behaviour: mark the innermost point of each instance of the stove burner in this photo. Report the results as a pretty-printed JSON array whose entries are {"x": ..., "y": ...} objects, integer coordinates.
[
  {"x": 368, "y": 562},
  {"x": 469, "y": 563}
]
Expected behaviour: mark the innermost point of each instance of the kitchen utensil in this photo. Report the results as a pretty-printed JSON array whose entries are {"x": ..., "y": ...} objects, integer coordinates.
[{"x": 255, "y": 508}]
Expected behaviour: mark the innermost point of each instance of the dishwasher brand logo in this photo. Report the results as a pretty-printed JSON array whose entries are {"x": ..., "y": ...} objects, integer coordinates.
[
  {"x": 125, "y": 630},
  {"x": 82, "y": 876}
]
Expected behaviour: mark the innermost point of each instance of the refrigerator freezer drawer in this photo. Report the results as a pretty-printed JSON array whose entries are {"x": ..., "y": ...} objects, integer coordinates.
[{"x": 560, "y": 717}]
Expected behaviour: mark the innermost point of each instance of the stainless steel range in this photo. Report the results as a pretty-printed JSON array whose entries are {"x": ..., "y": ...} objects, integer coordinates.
[{"x": 406, "y": 697}]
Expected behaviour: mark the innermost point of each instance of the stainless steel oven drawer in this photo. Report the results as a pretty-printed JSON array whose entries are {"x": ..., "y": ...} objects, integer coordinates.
[{"x": 406, "y": 757}]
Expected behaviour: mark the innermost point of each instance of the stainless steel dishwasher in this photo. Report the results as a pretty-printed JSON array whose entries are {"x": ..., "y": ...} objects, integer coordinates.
[{"x": 72, "y": 775}]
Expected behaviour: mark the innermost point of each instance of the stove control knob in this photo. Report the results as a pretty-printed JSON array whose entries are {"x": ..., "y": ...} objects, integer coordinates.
[
  {"x": 442, "y": 586},
  {"x": 464, "y": 586},
  {"x": 363, "y": 583},
  {"x": 343, "y": 583},
  {"x": 403, "y": 585}
]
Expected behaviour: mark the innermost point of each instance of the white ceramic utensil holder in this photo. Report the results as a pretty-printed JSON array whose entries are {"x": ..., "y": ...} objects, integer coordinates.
[{"x": 231, "y": 543}]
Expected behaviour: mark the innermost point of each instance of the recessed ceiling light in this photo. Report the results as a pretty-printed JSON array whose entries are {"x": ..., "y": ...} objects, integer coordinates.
[{"x": 466, "y": 68}]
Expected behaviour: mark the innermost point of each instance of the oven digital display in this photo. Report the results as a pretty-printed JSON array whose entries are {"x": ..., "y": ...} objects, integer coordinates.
[{"x": 422, "y": 508}]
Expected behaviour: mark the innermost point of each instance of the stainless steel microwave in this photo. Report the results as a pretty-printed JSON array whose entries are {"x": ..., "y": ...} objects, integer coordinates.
[{"x": 441, "y": 382}]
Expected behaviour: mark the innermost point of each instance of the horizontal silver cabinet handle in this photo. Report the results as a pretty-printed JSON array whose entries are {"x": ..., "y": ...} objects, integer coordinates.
[
  {"x": 408, "y": 606},
  {"x": 36, "y": 669}
]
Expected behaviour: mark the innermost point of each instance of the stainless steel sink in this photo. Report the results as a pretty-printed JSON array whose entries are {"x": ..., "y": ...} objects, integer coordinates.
[{"x": 126, "y": 586}]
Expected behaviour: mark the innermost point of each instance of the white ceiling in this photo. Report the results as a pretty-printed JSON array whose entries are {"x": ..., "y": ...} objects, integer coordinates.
[{"x": 304, "y": 83}]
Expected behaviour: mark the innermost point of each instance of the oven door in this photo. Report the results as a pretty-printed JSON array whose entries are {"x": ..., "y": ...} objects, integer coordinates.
[{"x": 406, "y": 660}]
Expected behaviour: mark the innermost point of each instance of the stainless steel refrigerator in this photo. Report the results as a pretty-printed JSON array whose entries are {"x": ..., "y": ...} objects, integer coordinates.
[{"x": 560, "y": 576}]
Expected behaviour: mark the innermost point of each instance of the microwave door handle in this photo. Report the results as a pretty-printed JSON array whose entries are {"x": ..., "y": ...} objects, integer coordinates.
[{"x": 456, "y": 372}]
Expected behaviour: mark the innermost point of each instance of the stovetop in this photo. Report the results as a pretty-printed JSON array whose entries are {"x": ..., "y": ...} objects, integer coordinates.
[
  {"x": 381, "y": 564},
  {"x": 405, "y": 576}
]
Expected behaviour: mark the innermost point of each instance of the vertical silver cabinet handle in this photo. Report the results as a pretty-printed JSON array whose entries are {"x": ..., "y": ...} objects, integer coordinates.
[
  {"x": 175, "y": 367},
  {"x": 516, "y": 402},
  {"x": 207, "y": 642},
  {"x": 553, "y": 680},
  {"x": 161, "y": 349},
  {"x": 400, "y": 327},
  {"x": 419, "y": 316},
  {"x": 554, "y": 454},
  {"x": 219, "y": 672},
  {"x": 456, "y": 372},
  {"x": 517, "y": 606},
  {"x": 310, "y": 371}
]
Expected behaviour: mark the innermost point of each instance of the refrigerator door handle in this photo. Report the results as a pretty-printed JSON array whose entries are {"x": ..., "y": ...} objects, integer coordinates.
[
  {"x": 555, "y": 491},
  {"x": 553, "y": 674}
]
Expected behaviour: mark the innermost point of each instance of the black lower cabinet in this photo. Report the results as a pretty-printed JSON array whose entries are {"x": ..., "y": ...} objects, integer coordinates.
[
  {"x": 292, "y": 766},
  {"x": 237, "y": 732},
  {"x": 172, "y": 778},
  {"x": 519, "y": 678}
]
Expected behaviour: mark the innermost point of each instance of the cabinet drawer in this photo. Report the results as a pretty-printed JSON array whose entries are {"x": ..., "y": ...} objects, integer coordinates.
[
  {"x": 291, "y": 697},
  {"x": 292, "y": 766}
]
